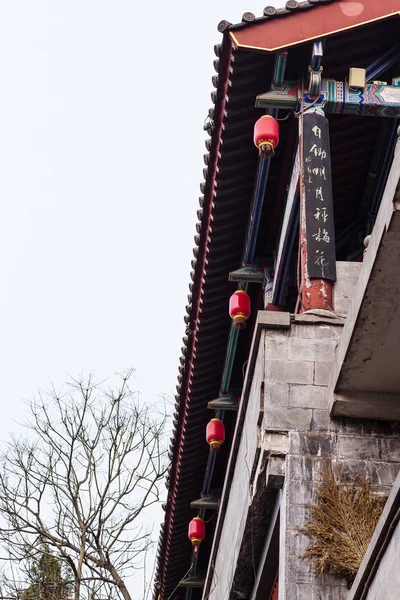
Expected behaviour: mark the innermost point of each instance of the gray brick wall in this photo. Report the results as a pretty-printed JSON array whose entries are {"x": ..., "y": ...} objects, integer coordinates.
[{"x": 297, "y": 369}]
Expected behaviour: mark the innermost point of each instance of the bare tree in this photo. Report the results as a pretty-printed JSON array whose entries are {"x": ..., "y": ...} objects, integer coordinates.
[{"x": 78, "y": 483}]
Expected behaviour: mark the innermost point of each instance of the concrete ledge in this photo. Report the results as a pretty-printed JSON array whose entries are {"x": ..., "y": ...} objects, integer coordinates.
[
  {"x": 366, "y": 405},
  {"x": 306, "y": 319},
  {"x": 367, "y": 328},
  {"x": 273, "y": 320},
  {"x": 380, "y": 540}
]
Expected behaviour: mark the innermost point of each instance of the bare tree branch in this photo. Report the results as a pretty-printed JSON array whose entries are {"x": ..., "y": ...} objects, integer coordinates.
[{"x": 90, "y": 464}]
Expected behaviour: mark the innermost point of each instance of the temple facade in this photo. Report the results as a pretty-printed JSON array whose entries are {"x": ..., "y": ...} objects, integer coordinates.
[{"x": 288, "y": 382}]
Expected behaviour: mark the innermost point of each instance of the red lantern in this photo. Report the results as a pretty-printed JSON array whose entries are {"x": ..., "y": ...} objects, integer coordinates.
[
  {"x": 266, "y": 135},
  {"x": 239, "y": 308},
  {"x": 215, "y": 433},
  {"x": 197, "y": 531}
]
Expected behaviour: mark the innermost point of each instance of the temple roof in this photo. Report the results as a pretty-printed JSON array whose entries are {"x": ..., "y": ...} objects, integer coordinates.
[{"x": 231, "y": 163}]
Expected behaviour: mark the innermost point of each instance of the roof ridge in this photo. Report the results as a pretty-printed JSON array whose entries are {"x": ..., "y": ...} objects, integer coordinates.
[{"x": 270, "y": 12}]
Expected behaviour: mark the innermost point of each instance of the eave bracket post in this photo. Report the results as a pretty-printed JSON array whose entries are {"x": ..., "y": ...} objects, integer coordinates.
[{"x": 317, "y": 236}]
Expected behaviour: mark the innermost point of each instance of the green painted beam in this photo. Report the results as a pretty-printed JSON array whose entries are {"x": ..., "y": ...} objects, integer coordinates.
[
  {"x": 223, "y": 403},
  {"x": 374, "y": 100},
  {"x": 208, "y": 502},
  {"x": 226, "y": 402},
  {"x": 230, "y": 355},
  {"x": 193, "y": 581},
  {"x": 252, "y": 274}
]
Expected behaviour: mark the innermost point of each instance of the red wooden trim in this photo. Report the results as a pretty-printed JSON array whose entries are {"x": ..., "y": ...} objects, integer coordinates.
[
  {"x": 275, "y": 589},
  {"x": 185, "y": 392}
]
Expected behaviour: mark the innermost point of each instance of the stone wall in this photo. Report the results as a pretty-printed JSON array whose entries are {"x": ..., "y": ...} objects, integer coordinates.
[
  {"x": 297, "y": 368},
  {"x": 284, "y": 434}
]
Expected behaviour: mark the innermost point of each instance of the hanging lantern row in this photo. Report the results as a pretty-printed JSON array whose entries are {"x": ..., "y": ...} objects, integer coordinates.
[
  {"x": 239, "y": 308},
  {"x": 215, "y": 433},
  {"x": 266, "y": 135},
  {"x": 266, "y": 138}
]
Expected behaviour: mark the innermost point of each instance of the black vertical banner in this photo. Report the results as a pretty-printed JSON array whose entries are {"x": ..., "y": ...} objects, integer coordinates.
[{"x": 321, "y": 255}]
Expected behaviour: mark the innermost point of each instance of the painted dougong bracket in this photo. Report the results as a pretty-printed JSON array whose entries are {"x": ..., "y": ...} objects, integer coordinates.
[{"x": 375, "y": 100}]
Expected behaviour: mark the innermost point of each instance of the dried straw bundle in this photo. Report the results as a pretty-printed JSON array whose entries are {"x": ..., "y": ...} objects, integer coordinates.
[{"x": 342, "y": 520}]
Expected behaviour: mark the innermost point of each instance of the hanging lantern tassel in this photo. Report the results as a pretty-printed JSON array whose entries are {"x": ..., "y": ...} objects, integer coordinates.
[
  {"x": 266, "y": 135},
  {"x": 239, "y": 308},
  {"x": 215, "y": 433},
  {"x": 196, "y": 533}
]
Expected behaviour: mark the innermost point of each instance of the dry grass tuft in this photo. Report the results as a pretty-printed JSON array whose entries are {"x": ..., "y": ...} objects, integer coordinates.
[{"x": 342, "y": 520}]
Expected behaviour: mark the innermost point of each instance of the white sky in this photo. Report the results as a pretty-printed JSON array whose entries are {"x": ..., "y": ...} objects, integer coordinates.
[{"x": 102, "y": 105}]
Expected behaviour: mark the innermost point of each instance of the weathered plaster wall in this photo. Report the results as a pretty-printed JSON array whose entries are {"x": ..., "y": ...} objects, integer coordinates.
[
  {"x": 386, "y": 583},
  {"x": 347, "y": 274},
  {"x": 379, "y": 575}
]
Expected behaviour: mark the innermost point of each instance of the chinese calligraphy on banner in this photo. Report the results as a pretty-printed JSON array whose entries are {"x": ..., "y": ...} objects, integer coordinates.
[{"x": 316, "y": 164}]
